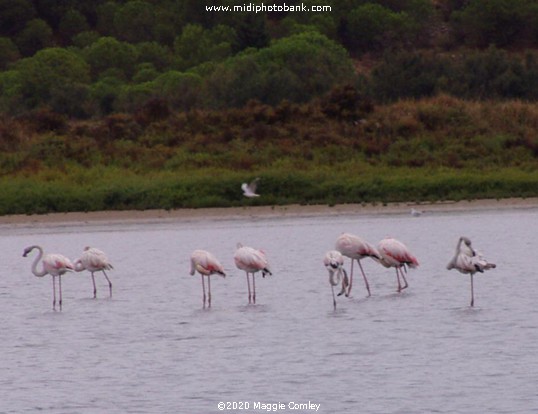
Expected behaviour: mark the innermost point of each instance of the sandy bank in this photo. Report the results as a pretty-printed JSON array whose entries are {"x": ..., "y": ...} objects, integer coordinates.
[{"x": 268, "y": 211}]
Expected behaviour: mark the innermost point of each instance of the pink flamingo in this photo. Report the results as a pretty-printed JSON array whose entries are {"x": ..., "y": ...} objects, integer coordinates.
[
  {"x": 94, "y": 260},
  {"x": 469, "y": 261},
  {"x": 251, "y": 261},
  {"x": 396, "y": 254},
  {"x": 334, "y": 262},
  {"x": 356, "y": 249},
  {"x": 54, "y": 265},
  {"x": 206, "y": 264}
]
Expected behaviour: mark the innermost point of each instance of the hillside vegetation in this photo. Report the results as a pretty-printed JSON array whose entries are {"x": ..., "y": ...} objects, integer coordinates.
[{"x": 146, "y": 104}]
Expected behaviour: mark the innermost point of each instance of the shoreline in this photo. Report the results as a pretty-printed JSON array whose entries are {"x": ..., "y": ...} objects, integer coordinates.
[{"x": 293, "y": 210}]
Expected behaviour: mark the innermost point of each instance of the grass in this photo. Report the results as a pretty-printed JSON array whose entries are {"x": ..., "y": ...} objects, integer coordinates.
[{"x": 119, "y": 190}]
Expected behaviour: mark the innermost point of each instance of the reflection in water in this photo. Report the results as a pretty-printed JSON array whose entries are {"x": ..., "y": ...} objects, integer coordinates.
[{"x": 152, "y": 348}]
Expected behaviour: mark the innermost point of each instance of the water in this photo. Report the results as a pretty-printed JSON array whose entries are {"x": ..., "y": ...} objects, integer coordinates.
[{"x": 153, "y": 349}]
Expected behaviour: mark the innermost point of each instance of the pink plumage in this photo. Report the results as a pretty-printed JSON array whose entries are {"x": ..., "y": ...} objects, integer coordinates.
[
  {"x": 251, "y": 261},
  {"x": 396, "y": 254},
  {"x": 94, "y": 260},
  {"x": 206, "y": 264},
  {"x": 53, "y": 264},
  {"x": 356, "y": 249}
]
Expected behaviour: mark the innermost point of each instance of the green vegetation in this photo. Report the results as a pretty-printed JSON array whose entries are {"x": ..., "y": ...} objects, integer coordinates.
[
  {"x": 433, "y": 149},
  {"x": 144, "y": 104}
]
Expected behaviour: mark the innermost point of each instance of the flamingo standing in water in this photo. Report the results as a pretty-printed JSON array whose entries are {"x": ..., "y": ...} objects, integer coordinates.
[
  {"x": 206, "y": 264},
  {"x": 469, "y": 261},
  {"x": 356, "y": 249},
  {"x": 396, "y": 254},
  {"x": 53, "y": 264},
  {"x": 334, "y": 262},
  {"x": 94, "y": 260},
  {"x": 251, "y": 261}
]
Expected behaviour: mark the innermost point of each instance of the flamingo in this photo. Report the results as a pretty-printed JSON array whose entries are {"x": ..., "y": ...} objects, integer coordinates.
[
  {"x": 356, "y": 249},
  {"x": 469, "y": 261},
  {"x": 396, "y": 254},
  {"x": 54, "y": 265},
  {"x": 206, "y": 264},
  {"x": 251, "y": 261},
  {"x": 249, "y": 190},
  {"x": 94, "y": 260},
  {"x": 334, "y": 262}
]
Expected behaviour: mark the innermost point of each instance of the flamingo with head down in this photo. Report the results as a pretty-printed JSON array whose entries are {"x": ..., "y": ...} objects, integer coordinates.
[
  {"x": 356, "y": 249},
  {"x": 396, "y": 254},
  {"x": 206, "y": 264},
  {"x": 334, "y": 262},
  {"x": 251, "y": 261},
  {"x": 94, "y": 260}
]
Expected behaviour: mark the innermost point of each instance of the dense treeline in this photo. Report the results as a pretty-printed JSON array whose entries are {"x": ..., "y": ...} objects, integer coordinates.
[{"x": 89, "y": 59}]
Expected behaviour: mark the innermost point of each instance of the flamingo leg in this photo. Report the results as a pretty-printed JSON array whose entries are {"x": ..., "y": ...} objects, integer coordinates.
[
  {"x": 109, "y": 283},
  {"x": 365, "y": 279},
  {"x": 94, "y": 286},
  {"x": 203, "y": 288},
  {"x": 60, "y": 290},
  {"x": 253, "y": 289},
  {"x": 472, "y": 291},
  {"x": 334, "y": 298},
  {"x": 404, "y": 279},
  {"x": 209, "y": 290},
  {"x": 249, "y": 294},
  {"x": 350, "y": 279},
  {"x": 398, "y": 278},
  {"x": 53, "y": 292}
]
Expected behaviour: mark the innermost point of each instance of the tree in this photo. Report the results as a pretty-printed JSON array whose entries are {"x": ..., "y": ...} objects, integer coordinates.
[
  {"x": 71, "y": 24},
  {"x": 55, "y": 77},
  {"x": 109, "y": 53},
  {"x": 498, "y": 22},
  {"x": 155, "y": 53},
  {"x": 295, "y": 68},
  {"x": 134, "y": 21},
  {"x": 370, "y": 27},
  {"x": 8, "y": 52},
  {"x": 407, "y": 75},
  {"x": 181, "y": 90},
  {"x": 14, "y": 14},
  {"x": 252, "y": 31},
  {"x": 36, "y": 35},
  {"x": 197, "y": 45}
]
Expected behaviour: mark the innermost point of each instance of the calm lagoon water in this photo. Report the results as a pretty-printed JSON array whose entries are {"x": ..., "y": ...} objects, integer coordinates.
[{"x": 151, "y": 348}]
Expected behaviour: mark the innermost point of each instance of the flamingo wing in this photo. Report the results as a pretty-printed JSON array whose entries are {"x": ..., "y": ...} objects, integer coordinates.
[
  {"x": 57, "y": 264},
  {"x": 94, "y": 259},
  {"x": 396, "y": 252},
  {"x": 250, "y": 260},
  {"x": 355, "y": 247}
]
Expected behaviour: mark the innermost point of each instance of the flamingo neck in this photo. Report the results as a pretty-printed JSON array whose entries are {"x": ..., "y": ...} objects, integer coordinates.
[{"x": 37, "y": 273}]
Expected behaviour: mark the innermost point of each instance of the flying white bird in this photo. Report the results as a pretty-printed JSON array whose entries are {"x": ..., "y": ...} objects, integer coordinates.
[
  {"x": 249, "y": 190},
  {"x": 469, "y": 261}
]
